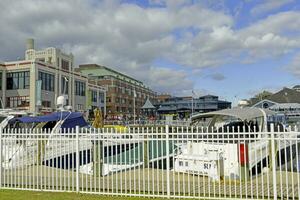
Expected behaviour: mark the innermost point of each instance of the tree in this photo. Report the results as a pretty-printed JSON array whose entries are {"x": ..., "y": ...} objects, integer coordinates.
[{"x": 263, "y": 95}]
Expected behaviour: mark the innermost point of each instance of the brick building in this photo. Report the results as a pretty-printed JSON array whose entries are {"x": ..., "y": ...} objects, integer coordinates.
[{"x": 123, "y": 92}]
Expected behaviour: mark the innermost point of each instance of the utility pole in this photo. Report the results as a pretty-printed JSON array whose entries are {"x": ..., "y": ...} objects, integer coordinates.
[{"x": 134, "y": 96}]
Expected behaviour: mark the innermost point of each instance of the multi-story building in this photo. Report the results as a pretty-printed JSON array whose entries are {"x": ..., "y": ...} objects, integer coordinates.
[
  {"x": 184, "y": 106},
  {"x": 35, "y": 83},
  {"x": 162, "y": 98},
  {"x": 124, "y": 93}
]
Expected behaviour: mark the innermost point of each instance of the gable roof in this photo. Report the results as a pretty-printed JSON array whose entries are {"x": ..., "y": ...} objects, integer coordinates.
[
  {"x": 286, "y": 95},
  {"x": 262, "y": 101},
  {"x": 148, "y": 105}
]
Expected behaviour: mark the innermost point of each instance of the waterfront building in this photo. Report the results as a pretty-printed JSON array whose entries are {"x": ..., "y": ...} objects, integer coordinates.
[
  {"x": 162, "y": 98},
  {"x": 33, "y": 84},
  {"x": 124, "y": 93},
  {"x": 297, "y": 88},
  {"x": 185, "y": 106},
  {"x": 286, "y": 95},
  {"x": 285, "y": 102}
]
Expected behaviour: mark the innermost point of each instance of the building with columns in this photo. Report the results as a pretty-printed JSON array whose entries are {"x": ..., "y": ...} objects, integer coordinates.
[{"x": 33, "y": 84}]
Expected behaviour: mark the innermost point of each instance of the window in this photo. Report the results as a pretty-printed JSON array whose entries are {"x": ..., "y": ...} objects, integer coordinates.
[
  {"x": 65, "y": 64},
  {"x": 79, "y": 88},
  {"x": 101, "y": 97},
  {"x": 18, "y": 101},
  {"x": 64, "y": 85},
  {"x": 186, "y": 164},
  {"x": 47, "y": 81},
  {"x": 17, "y": 80},
  {"x": 180, "y": 163},
  {"x": 94, "y": 96},
  {"x": 79, "y": 107}
]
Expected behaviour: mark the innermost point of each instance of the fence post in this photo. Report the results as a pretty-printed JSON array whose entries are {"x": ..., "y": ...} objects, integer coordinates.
[
  {"x": 1, "y": 157},
  {"x": 77, "y": 159},
  {"x": 168, "y": 161},
  {"x": 146, "y": 150},
  {"x": 273, "y": 157}
]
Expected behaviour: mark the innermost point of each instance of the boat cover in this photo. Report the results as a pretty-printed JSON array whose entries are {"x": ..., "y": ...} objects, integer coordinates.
[
  {"x": 72, "y": 119},
  {"x": 240, "y": 113}
]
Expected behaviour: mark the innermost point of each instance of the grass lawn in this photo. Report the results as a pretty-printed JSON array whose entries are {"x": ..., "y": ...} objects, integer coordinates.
[{"x": 32, "y": 195}]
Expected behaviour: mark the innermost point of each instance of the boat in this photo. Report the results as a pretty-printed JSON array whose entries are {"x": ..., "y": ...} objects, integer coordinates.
[
  {"x": 240, "y": 150},
  {"x": 53, "y": 149},
  {"x": 8, "y": 114}
]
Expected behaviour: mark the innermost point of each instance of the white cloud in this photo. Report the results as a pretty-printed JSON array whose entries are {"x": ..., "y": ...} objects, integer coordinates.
[
  {"x": 280, "y": 23},
  {"x": 294, "y": 66},
  {"x": 269, "y": 45},
  {"x": 269, "y": 5},
  {"x": 131, "y": 39}
]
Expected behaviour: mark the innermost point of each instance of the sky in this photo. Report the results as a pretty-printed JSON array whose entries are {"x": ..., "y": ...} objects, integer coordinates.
[{"x": 230, "y": 48}]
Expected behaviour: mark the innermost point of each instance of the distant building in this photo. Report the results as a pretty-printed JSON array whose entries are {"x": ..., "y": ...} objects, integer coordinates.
[
  {"x": 286, "y": 95},
  {"x": 162, "y": 98},
  {"x": 124, "y": 93},
  {"x": 285, "y": 102},
  {"x": 243, "y": 103},
  {"x": 184, "y": 106},
  {"x": 291, "y": 111},
  {"x": 54, "y": 69},
  {"x": 297, "y": 88}
]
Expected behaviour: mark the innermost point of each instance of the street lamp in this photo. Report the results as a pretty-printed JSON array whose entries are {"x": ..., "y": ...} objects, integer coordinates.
[
  {"x": 134, "y": 96},
  {"x": 193, "y": 93}
]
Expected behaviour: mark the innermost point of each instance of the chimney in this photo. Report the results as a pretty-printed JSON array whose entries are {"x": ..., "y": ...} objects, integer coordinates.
[{"x": 29, "y": 43}]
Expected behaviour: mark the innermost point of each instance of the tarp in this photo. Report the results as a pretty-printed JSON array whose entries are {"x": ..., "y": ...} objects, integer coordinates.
[{"x": 72, "y": 119}]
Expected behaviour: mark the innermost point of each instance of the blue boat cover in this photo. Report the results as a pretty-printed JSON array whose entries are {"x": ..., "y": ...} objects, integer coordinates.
[{"x": 72, "y": 119}]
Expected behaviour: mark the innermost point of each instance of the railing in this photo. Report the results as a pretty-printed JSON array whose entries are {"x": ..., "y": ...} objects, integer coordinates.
[
  {"x": 170, "y": 162},
  {"x": 148, "y": 122}
]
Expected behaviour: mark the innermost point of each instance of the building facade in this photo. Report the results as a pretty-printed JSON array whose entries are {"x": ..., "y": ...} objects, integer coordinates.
[
  {"x": 162, "y": 98},
  {"x": 185, "y": 106},
  {"x": 33, "y": 84},
  {"x": 125, "y": 95}
]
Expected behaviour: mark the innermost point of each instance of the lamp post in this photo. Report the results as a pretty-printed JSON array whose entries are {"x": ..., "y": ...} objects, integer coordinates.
[
  {"x": 193, "y": 93},
  {"x": 134, "y": 96}
]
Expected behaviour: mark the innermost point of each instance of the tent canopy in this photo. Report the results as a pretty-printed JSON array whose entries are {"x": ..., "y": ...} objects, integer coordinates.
[{"x": 72, "y": 119}]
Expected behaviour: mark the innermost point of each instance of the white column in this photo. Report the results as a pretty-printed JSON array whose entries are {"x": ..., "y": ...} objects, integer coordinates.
[{"x": 32, "y": 89}]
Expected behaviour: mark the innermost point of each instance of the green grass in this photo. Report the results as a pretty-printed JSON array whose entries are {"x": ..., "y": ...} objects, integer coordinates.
[{"x": 35, "y": 195}]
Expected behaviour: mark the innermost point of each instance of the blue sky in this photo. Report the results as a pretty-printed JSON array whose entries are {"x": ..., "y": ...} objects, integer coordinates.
[
  {"x": 229, "y": 48},
  {"x": 244, "y": 80}
]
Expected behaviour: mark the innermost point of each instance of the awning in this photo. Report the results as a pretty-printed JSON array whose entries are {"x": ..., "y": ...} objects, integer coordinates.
[{"x": 72, "y": 119}]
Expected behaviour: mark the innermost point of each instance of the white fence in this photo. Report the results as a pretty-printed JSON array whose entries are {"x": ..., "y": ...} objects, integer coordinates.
[{"x": 171, "y": 162}]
